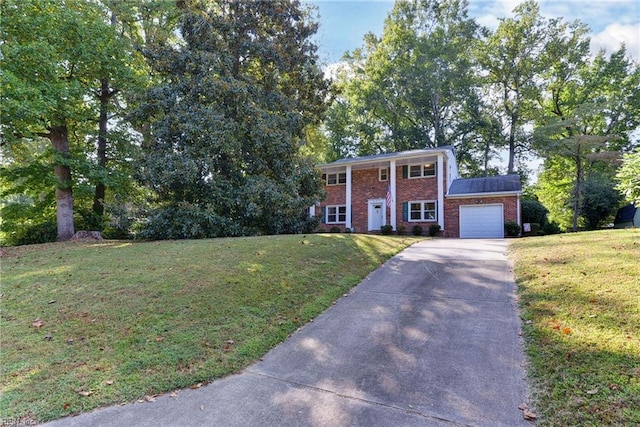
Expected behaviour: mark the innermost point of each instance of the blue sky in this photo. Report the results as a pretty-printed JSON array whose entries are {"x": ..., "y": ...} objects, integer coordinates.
[{"x": 343, "y": 23}]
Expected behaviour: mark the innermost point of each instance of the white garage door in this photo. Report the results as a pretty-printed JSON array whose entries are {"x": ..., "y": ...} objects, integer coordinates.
[{"x": 481, "y": 222}]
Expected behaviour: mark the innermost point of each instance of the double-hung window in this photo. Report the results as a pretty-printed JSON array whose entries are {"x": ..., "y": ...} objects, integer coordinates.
[
  {"x": 335, "y": 178},
  {"x": 422, "y": 170},
  {"x": 422, "y": 211},
  {"x": 383, "y": 174},
  {"x": 336, "y": 214}
]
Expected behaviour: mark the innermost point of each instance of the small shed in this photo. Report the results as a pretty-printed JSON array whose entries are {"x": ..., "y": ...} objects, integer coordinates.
[{"x": 627, "y": 216}]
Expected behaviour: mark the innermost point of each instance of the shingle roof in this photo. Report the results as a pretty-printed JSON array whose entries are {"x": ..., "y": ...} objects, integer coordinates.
[
  {"x": 383, "y": 156},
  {"x": 491, "y": 184}
]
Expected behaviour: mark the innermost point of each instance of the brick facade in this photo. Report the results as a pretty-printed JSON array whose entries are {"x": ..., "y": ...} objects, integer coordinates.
[
  {"x": 366, "y": 186},
  {"x": 452, "y": 210}
]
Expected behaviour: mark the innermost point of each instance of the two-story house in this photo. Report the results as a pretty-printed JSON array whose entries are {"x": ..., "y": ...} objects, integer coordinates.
[{"x": 417, "y": 187}]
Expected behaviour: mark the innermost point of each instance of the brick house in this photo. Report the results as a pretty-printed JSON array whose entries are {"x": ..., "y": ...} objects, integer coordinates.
[{"x": 417, "y": 187}]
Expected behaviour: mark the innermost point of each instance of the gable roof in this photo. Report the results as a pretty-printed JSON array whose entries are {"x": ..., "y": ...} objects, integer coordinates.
[
  {"x": 506, "y": 184},
  {"x": 390, "y": 156}
]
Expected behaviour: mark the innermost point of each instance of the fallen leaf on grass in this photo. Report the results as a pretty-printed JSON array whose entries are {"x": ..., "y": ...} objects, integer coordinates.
[
  {"x": 523, "y": 406},
  {"x": 195, "y": 386},
  {"x": 566, "y": 330},
  {"x": 528, "y": 415},
  {"x": 37, "y": 323},
  {"x": 594, "y": 391},
  {"x": 150, "y": 398},
  {"x": 109, "y": 382},
  {"x": 85, "y": 393}
]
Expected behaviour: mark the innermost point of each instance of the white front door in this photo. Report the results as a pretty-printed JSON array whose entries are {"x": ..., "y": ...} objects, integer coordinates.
[{"x": 376, "y": 214}]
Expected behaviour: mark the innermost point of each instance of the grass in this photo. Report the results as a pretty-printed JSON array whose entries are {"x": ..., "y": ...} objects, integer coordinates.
[
  {"x": 580, "y": 304},
  {"x": 90, "y": 324}
]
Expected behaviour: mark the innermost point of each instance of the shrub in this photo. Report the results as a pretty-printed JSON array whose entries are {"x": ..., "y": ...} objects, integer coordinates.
[
  {"x": 401, "y": 230},
  {"x": 347, "y": 230},
  {"x": 534, "y": 212},
  {"x": 552, "y": 228},
  {"x": 511, "y": 229},
  {"x": 386, "y": 229},
  {"x": 434, "y": 229},
  {"x": 36, "y": 233},
  {"x": 335, "y": 229},
  {"x": 417, "y": 230}
]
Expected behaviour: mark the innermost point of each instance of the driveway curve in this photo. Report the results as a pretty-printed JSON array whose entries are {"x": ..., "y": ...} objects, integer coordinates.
[{"x": 429, "y": 339}]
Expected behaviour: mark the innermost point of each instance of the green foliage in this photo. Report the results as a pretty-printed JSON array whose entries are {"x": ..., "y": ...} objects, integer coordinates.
[
  {"x": 511, "y": 229},
  {"x": 187, "y": 221},
  {"x": 534, "y": 212},
  {"x": 434, "y": 229},
  {"x": 417, "y": 230},
  {"x": 31, "y": 233},
  {"x": 335, "y": 229},
  {"x": 227, "y": 122},
  {"x": 386, "y": 230},
  {"x": 401, "y": 230},
  {"x": 599, "y": 202},
  {"x": 628, "y": 177},
  {"x": 413, "y": 87}
]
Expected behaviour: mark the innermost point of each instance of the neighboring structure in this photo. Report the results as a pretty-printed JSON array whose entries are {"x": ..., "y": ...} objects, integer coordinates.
[
  {"x": 418, "y": 187},
  {"x": 627, "y": 216}
]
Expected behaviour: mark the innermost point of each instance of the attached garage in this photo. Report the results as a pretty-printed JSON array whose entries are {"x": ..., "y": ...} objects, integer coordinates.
[
  {"x": 482, "y": 221},
  {"x": 477, "y": 208}
]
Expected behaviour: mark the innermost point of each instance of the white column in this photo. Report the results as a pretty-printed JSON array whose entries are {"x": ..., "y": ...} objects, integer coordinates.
[
  {"x": 348, "y": 197},
  {"x": 519, "y": 220},
  {"x": 441, "y": 172},
  {"x": 392, "y": 185}
]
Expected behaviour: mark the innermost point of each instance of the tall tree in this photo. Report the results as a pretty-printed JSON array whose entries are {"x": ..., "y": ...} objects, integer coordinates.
[
  {"x": 589, "y": 118},
  {"x": 409, "y": 88},
  {"x": 53, "y": 54},
  {"x": 228, "y": 119},
  {"x": 628, "y": 177}
]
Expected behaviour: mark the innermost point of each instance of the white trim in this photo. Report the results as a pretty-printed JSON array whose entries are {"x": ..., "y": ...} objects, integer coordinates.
[
  {"x": 392, "y": 185},
  {"x": 501, "y": 205},
  {"x": 348, "y": 197},
  {"x": 422, "y": 211},
  {"x": 421, "y": 165},
  {"x": 519, "y": 220},
  {"x": 380, "y": 174},
  {"x": 480, "y": 195},
  {"x": 370, "y": 204},
  {"x": 326, "y": 214},
  {"x": 440, "y": 205}
]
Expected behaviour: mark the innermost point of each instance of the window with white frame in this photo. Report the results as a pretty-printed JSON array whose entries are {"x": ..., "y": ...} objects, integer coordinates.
[
  {"x": 422, "y": 211},
  {"x": 336, "y": 214},
  {"x": 422, "y": 170},
  {"x": 335, "y": 178},
  {"x": 383, "y": 174}
]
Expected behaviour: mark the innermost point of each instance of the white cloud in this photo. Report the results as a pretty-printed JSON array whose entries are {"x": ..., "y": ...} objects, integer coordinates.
[{"x": 614, "y": 35}]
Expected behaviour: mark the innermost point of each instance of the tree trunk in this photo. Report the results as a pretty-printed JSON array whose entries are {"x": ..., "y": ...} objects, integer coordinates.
[
  {"x": 577, "y": 191},
  {"x": 59, "y": 136},
  {"x": 512, "y": 144},
  {"x": 98, "y": 199}
]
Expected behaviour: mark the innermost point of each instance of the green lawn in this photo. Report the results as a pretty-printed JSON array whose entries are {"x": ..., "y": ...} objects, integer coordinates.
[
  {"x": 90, "y": 324},
  {"x": 580, "y": 304}
]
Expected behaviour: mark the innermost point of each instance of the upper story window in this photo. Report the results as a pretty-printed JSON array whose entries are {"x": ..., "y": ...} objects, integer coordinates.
[
  {"x": 335, "y": 178},
  {"x": 422, "y": 170},
  {"x": 383, "y": 174}
]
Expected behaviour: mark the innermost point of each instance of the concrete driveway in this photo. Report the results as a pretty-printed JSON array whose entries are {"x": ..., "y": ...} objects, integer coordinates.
[{"x": 429, "y": 339}]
